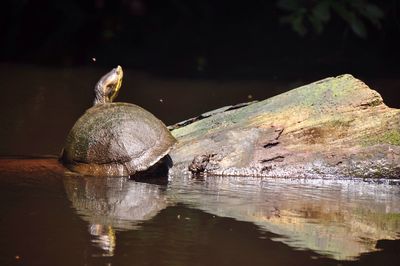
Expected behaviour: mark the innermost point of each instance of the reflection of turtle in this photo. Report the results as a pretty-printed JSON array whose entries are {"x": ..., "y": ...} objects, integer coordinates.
[
  {"x": 110, "y": 204},
  {"x": 115, "y": 139},
  {"x": 117, "y": 202}
]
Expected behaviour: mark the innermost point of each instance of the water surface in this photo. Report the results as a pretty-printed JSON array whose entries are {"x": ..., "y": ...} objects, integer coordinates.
[{"x": 49, "y": 218}]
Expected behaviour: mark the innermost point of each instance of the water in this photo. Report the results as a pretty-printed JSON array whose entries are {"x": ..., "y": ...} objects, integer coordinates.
[
  {"x": 48, "y": 217},
  {"x": 52, "y": 218}
]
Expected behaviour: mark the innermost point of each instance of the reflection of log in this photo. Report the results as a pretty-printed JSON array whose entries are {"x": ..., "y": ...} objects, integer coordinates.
[
  {"x": 336, "y": 126},
  {"x": 327, "y": 216}
]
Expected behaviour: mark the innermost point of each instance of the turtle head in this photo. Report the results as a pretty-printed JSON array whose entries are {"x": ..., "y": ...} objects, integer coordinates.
[{"x": 108, "y": 86}]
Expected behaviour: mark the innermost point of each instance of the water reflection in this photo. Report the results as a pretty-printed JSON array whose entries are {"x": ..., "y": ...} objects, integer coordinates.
[
  {"x": 341, "y": 219},
  {"x": 110, "y": 204}
]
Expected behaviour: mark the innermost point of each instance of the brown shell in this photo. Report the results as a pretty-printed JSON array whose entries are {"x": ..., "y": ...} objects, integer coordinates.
[{"x": 116, "y": 139}]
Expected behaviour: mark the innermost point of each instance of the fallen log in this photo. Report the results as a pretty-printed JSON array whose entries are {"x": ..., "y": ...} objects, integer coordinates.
[{"x": 335, "y": 127}]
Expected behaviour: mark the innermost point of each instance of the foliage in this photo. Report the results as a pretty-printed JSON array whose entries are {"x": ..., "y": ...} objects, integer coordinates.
[{"x": 318, "y": 13}]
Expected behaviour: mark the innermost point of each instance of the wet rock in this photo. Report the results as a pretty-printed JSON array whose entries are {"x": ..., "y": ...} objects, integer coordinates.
[
  {"x": 199, "y": 164},
  {"x": 334, "y": 127},
  {"x": 202, "y": 164}
]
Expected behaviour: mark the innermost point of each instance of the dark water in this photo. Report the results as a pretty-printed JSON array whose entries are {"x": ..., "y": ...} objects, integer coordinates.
[{"x": 50, "y": 218}]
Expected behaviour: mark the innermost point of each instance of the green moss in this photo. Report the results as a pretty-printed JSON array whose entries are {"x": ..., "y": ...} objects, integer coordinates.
[
  {"x": 393, "y": 137},
  {"x": 388, "y": 221},
  {"x": 332, "y": 91},
  {"x": 390, "y": 137}
]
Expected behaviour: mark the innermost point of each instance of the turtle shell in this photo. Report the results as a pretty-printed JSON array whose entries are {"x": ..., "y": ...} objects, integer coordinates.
[{"x": 116, "y": 139}]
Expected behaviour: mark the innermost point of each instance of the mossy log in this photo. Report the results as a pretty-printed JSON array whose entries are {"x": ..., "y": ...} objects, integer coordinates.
[{"x": 333, "y": 127}]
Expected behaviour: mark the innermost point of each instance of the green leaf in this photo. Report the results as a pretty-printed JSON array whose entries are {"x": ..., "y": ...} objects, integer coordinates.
[
  {"x": 317, "y": 24},
  {"x": 351, "y": 18},
  {"x": 298, "y": 25},
  {"x": 321, "y": 11},
  {"x": 367, "y": 9},
  {"x": 290, "y": 5},
  {"x": 358, "y": 27},
  {"x": 374, "y": 11},
  {"x": 343, "y": 11},
  {"x": 296, "y": 21}
]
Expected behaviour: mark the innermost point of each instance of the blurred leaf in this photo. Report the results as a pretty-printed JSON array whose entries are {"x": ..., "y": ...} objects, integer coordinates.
[
  {"x": 297, "y": 23},
  {"x": 321, "y": 11},
  {"x": 318, "y": 13},
  {"x": 290, "y": 5},
  {"x": 373, "y": 13},
  {"x": 358, "y": 27},
  {"x": 317, "y": 24},
  {"x": 356, "y": 24},
  {"x": 367, "y": 9},
  {"x": 342, "y": 11},
  {"x": 375, "y": 22}
]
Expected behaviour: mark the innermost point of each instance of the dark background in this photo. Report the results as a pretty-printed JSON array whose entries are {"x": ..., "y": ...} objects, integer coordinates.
[
  {"x": 181, "y": 58},
  {"x": 220, "y": 38}
]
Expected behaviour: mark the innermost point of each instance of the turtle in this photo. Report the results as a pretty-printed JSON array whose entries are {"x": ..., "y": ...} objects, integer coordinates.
[{"x": 115, "y": 138}]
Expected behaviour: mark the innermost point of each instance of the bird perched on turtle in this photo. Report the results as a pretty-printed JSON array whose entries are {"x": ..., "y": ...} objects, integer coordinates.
[{"x": 115, "y": 139}]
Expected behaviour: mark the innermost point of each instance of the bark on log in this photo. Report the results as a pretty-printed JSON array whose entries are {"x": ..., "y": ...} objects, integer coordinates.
[{"x": 333, "y": 127}]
